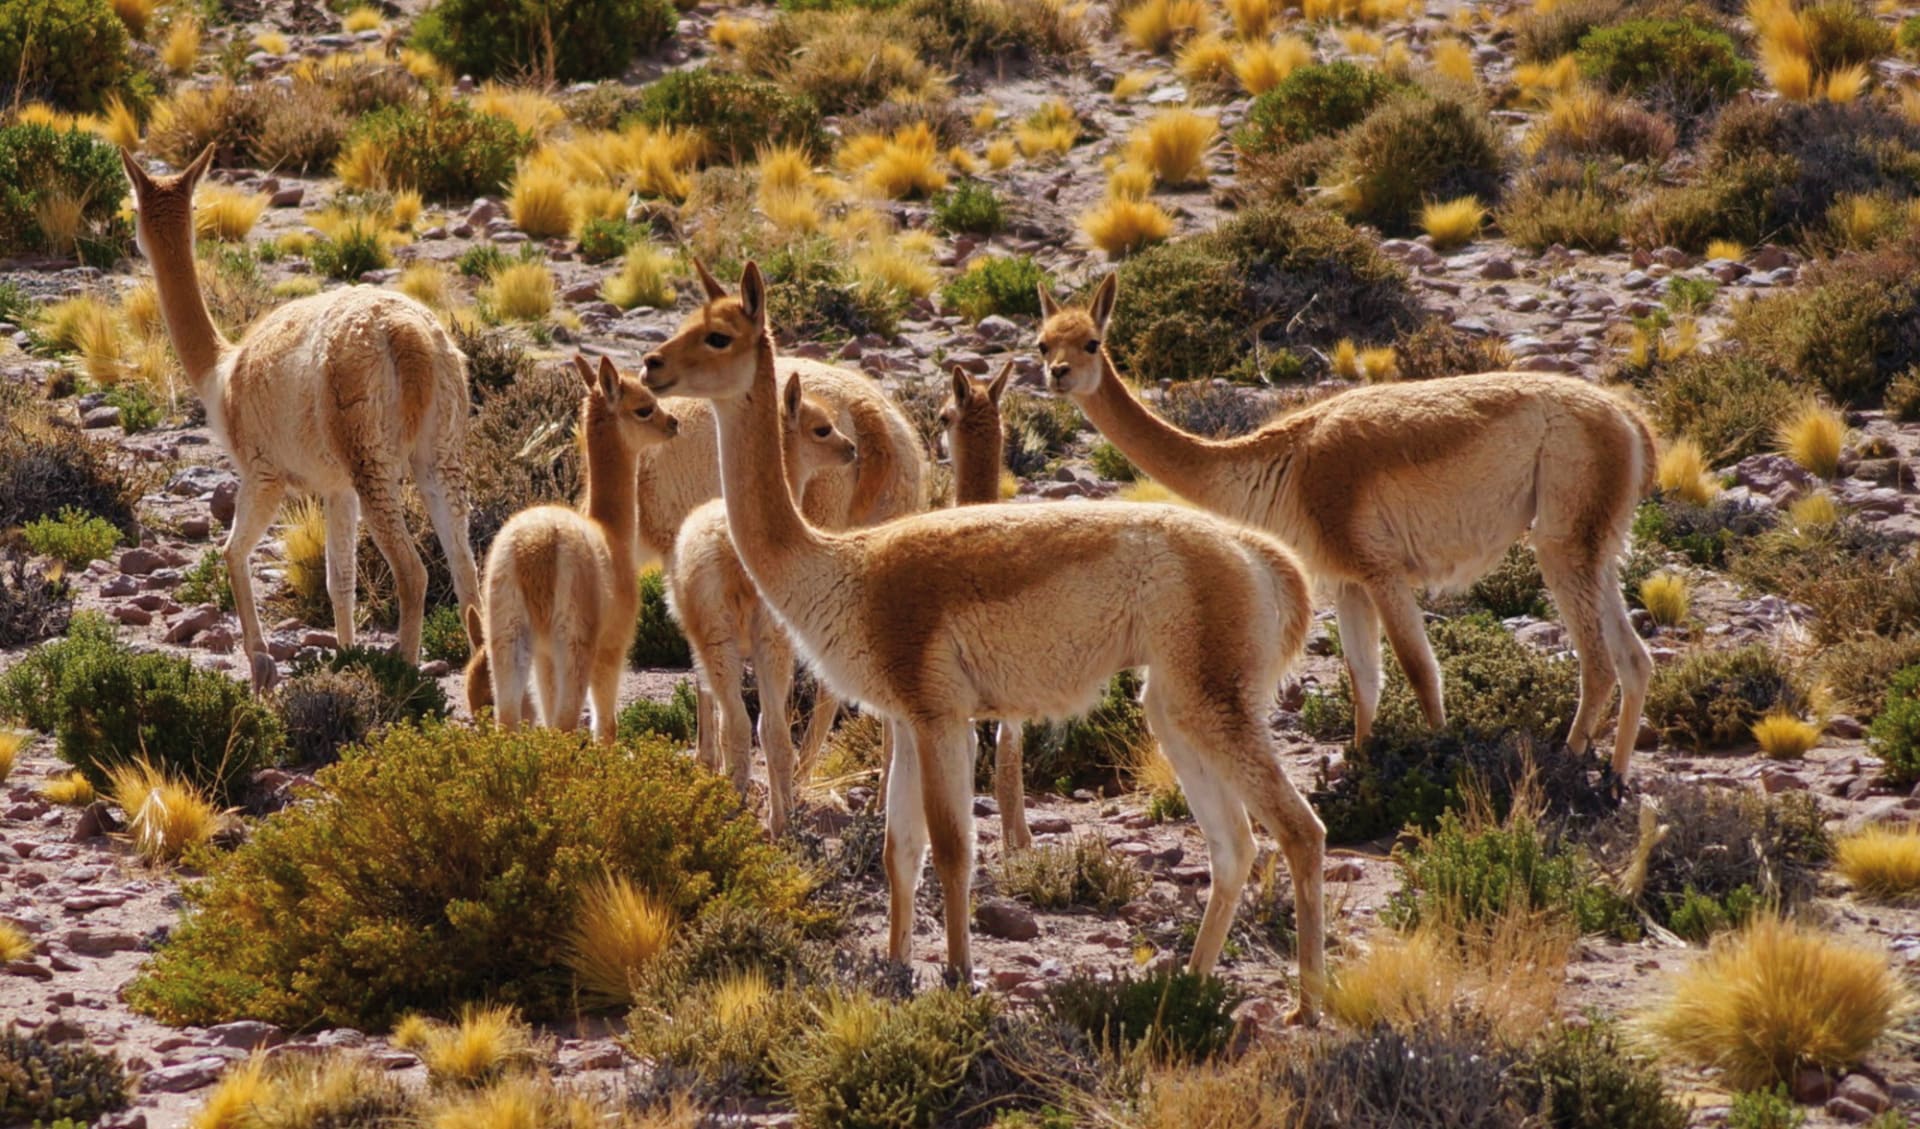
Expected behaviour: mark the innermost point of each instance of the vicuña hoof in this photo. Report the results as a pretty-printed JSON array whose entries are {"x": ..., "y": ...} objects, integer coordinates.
[{"x": 265, "y": 673}]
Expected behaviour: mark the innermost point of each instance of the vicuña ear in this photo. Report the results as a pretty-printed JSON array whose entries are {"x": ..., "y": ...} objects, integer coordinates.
[
  {"x": 962, "y": 385},
  {"x": 790, "y": 398},
  {"x": 191, "y": 175},
  {"x": 136, "y": 174},
  {"x": 585, "y": 368},
  {"x": 1103, "y": 296},
  {"x": 1048, "y": 307},
  {"x": 715, "y": 291},
  {"x": 999, "y": 385},
  {"x": 609, "y": 380},
  {"x": 753, "y": 295}
]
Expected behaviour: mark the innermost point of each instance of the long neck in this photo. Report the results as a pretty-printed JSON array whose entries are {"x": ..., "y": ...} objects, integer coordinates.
[
  {"x": 766, "y": 527},
  {"x": 611, "y": 498},
  {"x": 977, "y": 456},
  {"x": 1198, "y": 469},
  {"x": 195, "y": 338}
]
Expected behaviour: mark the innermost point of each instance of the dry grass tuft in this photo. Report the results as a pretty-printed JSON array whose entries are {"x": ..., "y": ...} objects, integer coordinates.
[
  {"x": 1174, "y": 144},
  {"x": 1129, "y": 182},
  {"x": 1882, "y": 862},
  {"x": 72, "y": 790},
  {"x": 1810, "y": 513},
  {"x": 11, "y": 742},
  {"x": 1813, "y": 437},
  {"x": 908, "y": 166},
  {"x": 236, "y": 1103},
  {"x": 1206, "y": 62},
  {"x": 531, "y": 111},
  {"x": 136, "y": 14},
  {"x": 1683, "y": 473},
  {"x": 427, "y": 283},
  {"x": 1453, "y": 60},
  {"x": 62, "y": 217},
  {"x": 521, "y": 292},
  {"x": 118, "y": 124},
  {"x": 643, "y": 278},
  {"x": 166, "y": 815},
  {"x": 226, "y": 214},
  {"x": 1785, "y": 737},
  {"x": 363, "y": 19},
  {"x": 413, "y": 1032},
  {"x": 1001, "y": 151},
  {"x": 1539, "y": 82},
  {"x": 1158, "y": 25},
  {"x": 304, "y": 539},
  {"x": 1261, "y": 66},
  {"x": 1775, "y": 997},
  {"x": 14, "y": 943},
  {"x": 182, "y": 47},
  {"x": 620, "y": 929},
  {"x": 485, "y": 1044},
  {"x": 1047, "y": 132},
  {"x": 1667, "y": 598},
  {"x": 1846, "y": 83},
  {"x": 1132, "y": 84},
  {"x": 1726, "y": 249},
  {"x": 272, "y": 42},
  {"x": 1453, "y": 223},
  {"x": 1120, "y": 226},
  {"x": 540, "y": 199},
  {"x": 362, "y": 165}
]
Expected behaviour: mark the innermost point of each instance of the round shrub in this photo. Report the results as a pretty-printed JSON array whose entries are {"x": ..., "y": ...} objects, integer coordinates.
[
  {"x": 38, "y": 162},
  {"x": 736, "y": 113},
  {"x": 73, "y": 53},
  {"x": 1007, "y": 285},
  {"x": 577, "y": 39},
  {"x": 1895, "y": 735},
  {"x": 1317, "y": 100},
  {"x": 443, "y": 147},
  {"x": 1729, "y": 403},
  {"x": 1710, "y": 700},
  {"x": 442, "y": 865},
  {"x": 1415, "y": 149},
  {"x": 1686, "y": 64},
  {"x": 40, "y": 1079},
  {"x": 1850, "y": 327}
]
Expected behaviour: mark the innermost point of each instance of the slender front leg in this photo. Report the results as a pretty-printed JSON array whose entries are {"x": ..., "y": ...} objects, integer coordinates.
[
  {"x": 904, "y": 851},
  {"x": 946, "y": 781},
  {"x": 1010, "y": 786},
  {"x": 253, "y": 510},
  {"x": 343, "y": 529}
]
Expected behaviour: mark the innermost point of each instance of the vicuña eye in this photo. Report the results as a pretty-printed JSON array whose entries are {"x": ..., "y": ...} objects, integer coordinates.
[
  {"x": 643, "y": 413},
  {"x": 718, "y": 340},
  {"x": 823, "y": 432},
  {"x": 1093, "y": 346}
]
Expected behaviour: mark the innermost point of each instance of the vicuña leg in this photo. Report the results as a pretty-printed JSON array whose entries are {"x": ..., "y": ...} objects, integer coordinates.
[
  {"x": 1274, "y": 800},
  {"x": 1359, "y": 628},
  {"x": 773, "y": 667},
  {"x": 946, "y": 785},
  {"x": 1009, "y": 785},
  {"x": 510, "y": 655},
  {"x": 444, "y": 490},
  {"x": 706, "y": 712},
  {"x": 1407, "y": 632},
  {"x": 572, "y": 673},
  {"x": 1187, "y": 735},
  {"x": 1570, "y": 579},
  {"x": 1631, "y": 663},
  {"x": 905, "y": 849},
  {"x": 253, "y": 510},
  {"x": 343, "y": 529},
  {"x": 605, "y": 692},
  {"x": 826, "y": 708},
  {"x": 387, "y": 525}
]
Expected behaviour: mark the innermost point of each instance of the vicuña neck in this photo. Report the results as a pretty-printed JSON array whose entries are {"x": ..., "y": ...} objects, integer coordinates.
[
  {"x": 976, "y": 468},
  {"x": 195, "y": 338},
  {"x": 766, "y": 527},
  {"x": 611, "y": 497},
  {"x": 1192, "y": 466}
]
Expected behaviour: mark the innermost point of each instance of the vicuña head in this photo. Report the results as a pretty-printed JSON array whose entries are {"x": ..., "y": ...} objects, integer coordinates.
[
  {"x": 714, "y": 353},
  {"x": 813, "y": 442},
  {"x": 1071, "y": 339},
  {"x": 975, "y": 435},
  {"x": 622, "y": 407},
  {"x": 163, "y": 206}
]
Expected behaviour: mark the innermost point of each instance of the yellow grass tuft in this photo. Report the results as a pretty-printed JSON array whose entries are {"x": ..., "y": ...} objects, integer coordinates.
[
  {"x": 1847, "y": 83},
  {"x": 1785, "y": 737},
  {"x": 118, "y": 125},
  {"x": 962, "y": 161},
  {"x": 642, "y": 280},
  {"x": 298, "y": 286},
  {"x": 1049, "y": 131},
  {"x": 182, "y": 47},
  {"x": 985, "y": 117},
  {"x": 484, "y": 1044},
  {"x": 166, "y": 814},
  {"x": 1683, "y": 473},
  {"x": 1148, "y": 490},
  {"x": 1120, "y": 227},
  {"x": 1882, "y": 862},
  {"x": 363, "y": 19},
  {"x": 1726, "y": 249},
  {"x": 540, "y": 200},
  {"x": 413, "y": 1032},
  {"x": 1261, "y": 66},
  {"x": 136, "y": 14},
  {"x": 1667, "y": 597},
  {"x": 891, "y": 265},
  {"x": 1253, "y": 19},
  {"x": 1345, "y": 359},
  {"x": 1380, "y": 364},
  {"x": 1454, "y": 223},
  {"x": 531, "y": 111},
  {"x": 909, "y": 165},
  {"x": 11, "y": 742},
  {"x": 1156, "y": 25},
  {"x": 61, "y": 217},
  {"x": 1205, "y": 61},
  {"x": 1539, "y": 82},
  {"x": 1790, "y": 75},
  {"x": 619, "y": 930},
  {"x": 521, "y": 292},
  {"x": 1509, "y": 970},
  {"x": 362, "y": 164},
  {"x": 1453, "y": 60},
  {"x": 425, "y": 67},
  {"x": 1777, "y": 25},
  {"x": 730, "y": 33},
  {"x": 1132, "y": 84},
  {"x": 226, "y": 214},
  {"x": 14, "y": 943},
  {"x": 741, "y": 999},
  {"x": 272, "y": 42},
  {"x": 1129, "y": 182},
  {"x": 237, "y": 1101},
  {"x": 403, "y": 208},
  {"x": 1360, "y": 42},
  {"x": 1857, "y": 220},
  {"x": 1813, "y": 437},
  {"x": 1814, "y": 511},
  {"x": 72, "y": 790},
  {"x": 1174, "y": 144},
  {"x": 1001, "y": 151},
  {"x": 427, "y": 283},
  {"x": 1775, "y": 997}
]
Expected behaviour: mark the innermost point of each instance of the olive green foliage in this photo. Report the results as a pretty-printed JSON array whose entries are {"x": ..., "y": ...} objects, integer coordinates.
[
  {"x": 1435, "y": 349},
  {"x": 1705, "y": 535},
  {"x": 602, "y": 239},
  {"x": 444, "y": 148},
  {"x": 1765, "y": 1109},
  {"x": 1847, "y": 330},
  {"x": 1856, "y": 579},
  {"x": 1007, "y": 285},
  {"x": 108, "y": 705},
  {"x": 1841, "y": 33},
  {"x": 1729, "y": 403},
  {"x": 72, "y": 53},
  {"x": 443, "y": 869},
  {"x": 1478, "y": 871},
  {"x": 737, "y": 114},
  {"x": 520, "y": 444},
  {"x": 1317, "y": 100},
  {"x": 497, "y": 358},
  {"x": 813, "y": 295},
  {"x": 722, "y": 1035},
  {"x": 1686, "y": 65},
  {"x": 1415, "y": 149},
  {"x": 207, "y": 582},
  {"x": 1895, "y": 735},
  {"x": 1710, "y": 699},
  {"x": 1514, "y": 587},
  {"x": 443, "y": 637},
  {"x": 1572, "y": 203},
  {"x": 1543, "y": 36},
  {"x": 75, "y": 538},
  {"x": 1858, "y": 671},
  {"x": 1088, "y": 751},
  {"x": 675, "y": 720},
  {"x": 1084, "y": 872},
  {"x": 43, "y": 1079},
  {"x": 1235, "y": 301},
  {"x": 38, "y": 162},
  {"x": 1174, "y": 1013},
  {"x": 1111, "y": 462},
  {"x": 564, "y": 40},
  {"x": 1587, "y": 1076},
  {"x": 350, "y": 253},
  {"x": 35, "y": 603},
  {"x": 970, "y": 206},
  {"x": 1444, "y": 1071},
  {"x": 657, "y": 641},
  {"x": 405, "y": 693}
]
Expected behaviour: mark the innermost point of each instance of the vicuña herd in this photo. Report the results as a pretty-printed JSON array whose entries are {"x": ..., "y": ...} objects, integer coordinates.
[{"x": 788, "y": 500}]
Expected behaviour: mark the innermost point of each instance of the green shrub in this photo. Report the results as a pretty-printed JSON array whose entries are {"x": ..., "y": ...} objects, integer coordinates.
[
  {"x": 38, "y": 163},
  {"x": 1731, "y": 200},
  {"x": 1085, "y": 872},
  {"x": 138, "y": 412},
  {"x": 443, "y": 147},
  {"x": 1765, "y": 1109},
  {"x": 1565, "y": 202},
  {"x": 444, "y": 869},
  {"x": 565, "y": 41},
  {"x": 1690, "y": 65},
  {"x": 207, "y": 582},
  {"x": 1174, "y": 1013},
  {"x": 405, "y": 693},
  {"x": 737, "y": 114},
  {"x": 1587, "y": 1077},
  {"x": 1729, "y": 403},
  {"x": 675, "y": 720},
  {"x": 1908, "y": 35},
  {"x": 1412, "y": 150},
  {"x": 1710, "y": 699},
  {"x": 34, "y": 605},
  {"x": 1689, "y": 295},
  {"x": 481, "y": 261},
  {"x": 1088, "y": 751},
  {"x": 73, "y": 53},
  {"x": 1705, "y": 535},
  {"x": 657, "y": 641},
  {"x": 1111, "y": 463},
  {"x": 443, "y": 637},
  {"x": 1514, "y": 587},
  {"x": 1894, "y": 736},
  {"x": 1476, "y": 873},
  {"x": 1858, "y": 671},
  {"x": 1849, "y": 328},
  {"x": 969, "y": 206},
  {"x": 727, "y": 939},
  {"x": 324, "y": 711},
  {"x": 814, "y": 296},
  {"x": 1238, "y": 301},
  {"x": 42, "y": 1079},
  {"x": 600, "y": 239},
  {"x": 75, "y": 538},
  {"x": 354, "y": 251},
  {"x": 1007, "y": 285},
  {"x": 107, "y": 705},
  {"x": 1317, "y": 100}
]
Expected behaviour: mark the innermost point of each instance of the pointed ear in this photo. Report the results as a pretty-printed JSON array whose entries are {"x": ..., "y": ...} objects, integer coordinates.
[
  {"x": 198, "y": 168},
  {"x": 609, "y": 380},
  {"x": 1048, "y": 307},
  {"x": 585, "y": 368},
  {"x": 792, "y": 397},
  {"x": 999, "y": 385},
  {"x": 1103, "y": 297},
  {"x": 753, "y": 294},
  {"x": 962, "y": 386},
  {"x": 136, "y": 174},
  {"x": 714, "y": 290}
]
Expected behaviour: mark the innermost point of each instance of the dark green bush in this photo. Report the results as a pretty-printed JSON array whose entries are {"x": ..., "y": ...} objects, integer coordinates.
[
  {"x": 443, "y": 637},
  {"x": 1765, "y": 1109},
  {"x": 969, "y": 206},
  {"x": 405, "y": 693},
  {"x": 1687, "y": 65},
  {"x": 676, "y": 720},
  {"x": 1894, "y": 736},
  {"x": 138, "y": 412},
  {"x": 563, "y": 40},
  {"x": 1586, "y": 1077},
  {"x": 1085, "y": 872},
  {"x": 41, "y": 1079},
  {"x": 72, "y": 53},
  {"x": 443, "y": 147},
  {"x": 1565, "y": 202},
  {"x": 1463, "y": 873},
  {"x": 737, "y": 114},
  {"x": 1317, "y": 100},
  {"x": 814, "y": 296},
  {"x": 1415, "y": 149},
  {"x": 602, "y": 239},
  {"x": 443, "y": 868},
  {"x": 1710, "y": 699},
  {"x": 1239, "y": 300},
  {"x": 107, "y": 705},
  {"x": 1514, "y": 587},
  {"x": 1445, "y": 1071},
  {"x": 657, "y": 641},
  {"x": 1727, "y": 402},
  {"x": 1908, "y": 35},
  {"x": 1007, "y": 285},
  {"x": 34, "y": 605},
  {"x": 207, "y": 582},
  {"x": 354, "y": 251},
  {"x": 1174, "y": 1013},
  {"x": 1849, "y": 328},
  {"x": 1087, "y": 752},
  {"x": 324, "y": 711},
  {"x": 1112, "y": 463},
  {"x": 75, "y": 538},
  {"x": 1703, "y": 534},
  {"x": 38, "y": 162}
]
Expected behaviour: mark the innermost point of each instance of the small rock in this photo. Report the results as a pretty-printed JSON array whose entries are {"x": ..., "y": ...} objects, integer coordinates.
[
  {"x": 100, "y": 942},
  {"x": 1845, "y": 727},
  {"x": 1006, "y": 919},
  {"x": 140, "y": 561},
  {"x": 342, "y": 1037},
  {"x": 246, "y": 1034},
  {"x": 1852, "y": 1113},
  {"x": 28, "y": 969},
  {"x": 96, "y": 820},
  {"x": 221, "y": 504},
  {"x": 601, "y": 1056},
  {"x": 187, "y": 1076},
  {"x": 1498, "y": 268},
  {"x": 1811, "y": 1086},
  {"x": 288, "y": 197},
  {"x": 1864, "y": 1092},
  {"x": 1345, "y": 870},
  {"x": 1049, "y": 824},
  {"x": 60, "y": 1029},
  {"x": 325, "y": 640},
  {"x": 104, "y": 416},
  {"x": 1775, "y": 780},
  {"x": 130, "y": 616},
  {"x": 191, "y": 623}
]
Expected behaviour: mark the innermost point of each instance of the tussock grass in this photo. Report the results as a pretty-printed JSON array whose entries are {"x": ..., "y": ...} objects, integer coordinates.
[
  {"x": 540, "y": 200},
  {"x": 182, "y": 47},
  {"x": 1174, "y": 144},
  {"x": 1775, "y": 997},
  {"x": 1882, "y": 862},
  {"x": 1783, "y": 736},
  {"x": 620, "y": 930},
  {"x": 236, "y": 1102},
  {"x": 226, "y": 214},
  {"x": 1129, "y": 182},
  {"x": 1813, "y": 437},
  {"x": 521, "y": 292},
  {"x": 1131, "y": 85},
  {"x": 1253, "y": 19},
  {"x": 1047, "y": 132},
  {"x": 1453, "y": 223},
  {"x": 643, "y": 278},
  {"x": 1453, "y": 60},
  {"x": 483, "y": 1045},
  {"x": 304, "y": 538},
  {"x": 1683, "y": 473},
  {"x": 272, "y": 42},
  {"x": 1206, "y": 62},
  {"x": 1811, "y": 513},
  {"x": 1726, "y": 249},
  {"x": 1261, "y": 66},
  {"x": 1539, "y": 82},
  {"x": 14, "y": 943},
  {"x": 62, "y": 217},
  {"x": 1001, "y": 151},
  {"x": 363, "y": 19},
  {"x": 1158, "y": 25},
  {"x": 166, "y": 815},
  {"x": 1120, "y": 226},
  {"x": 72, "y": 790},
  {"x": 907, "y": 166},
  {"x": 891, "y": 264},
  {"x": 118, "y": 124},
  {"x": 136, "y": 14},
  {"x": 11, "y": 742},
  {"x": 427, "y": 283},
  {"x": 531, "y": 111},
  {"x": 1667, "y": 598}
]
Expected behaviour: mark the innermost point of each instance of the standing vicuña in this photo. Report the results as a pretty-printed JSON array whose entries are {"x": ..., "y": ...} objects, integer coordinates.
[
  {"x": 1017, "y": 612},
  {"x": 339, "y": 394},
  {"x": 726, "y": 622},
  {"x": 977, "y": 443},
  {"x": 563, "y": 586},
  {"x": 1387, "y": 487}
]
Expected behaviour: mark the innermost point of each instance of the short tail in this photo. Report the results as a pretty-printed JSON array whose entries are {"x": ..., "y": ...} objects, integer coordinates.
[
  {"x": 1649, "y": 446},
  {"x": 1292, "y": 592}
]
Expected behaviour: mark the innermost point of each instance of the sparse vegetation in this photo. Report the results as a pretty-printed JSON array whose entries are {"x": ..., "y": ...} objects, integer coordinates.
[
  {"x": 1085, "y": 872},
  {"x": 566, "y": 42},
  {"x": 1713, "y": 699},
  {"x": 75, "y": 538},
  {"x": 41, "y": 1078}
]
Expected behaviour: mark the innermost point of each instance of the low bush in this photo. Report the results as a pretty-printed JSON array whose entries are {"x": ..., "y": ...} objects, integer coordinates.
[
  {"x": 532, "y": 818},
  {"x": 443, "y": 637},
  {"x": 1174, "y": 1013},
  {"x": 723, "y": 1035},
  {"x": 1727, "y": 402},
  {"x": 75, "y": 538},
  {"x": 324, "y": 711},
  {"x": 1705, "y": 534},
  {"x": 1088, "y": 752},
  {"x": 71, "y": 52},
  {"x": 40, "y": 1078},
  {"x": 1007, "y": 285},
  {"x": 602, "y": 239},
  {"x": 1566, "y": 202},
  {"x": 350, "y": 252},
  {"x": 35, "y": 604},
  {"x": 1514, "y": 587},
  {"x": 1446, "y": 1071},
  {"x": 1767, "y": 1108},
  {"x": 1894, "y": 736},
  {"x": 1711, "y": 699},
  {"x": 1852, "y": 576},
  {"x": 1317, "y": 100},
  {"x": 406, "y": 694},
  {"x": 1587, "y": 1076},
  {"x": 443, "y": 148},
  {"x": 1414, "y": 149},
  {"x": 735, "y": 113},
  {"x": 43, "y": 168},
  {"x": 676, "y": 720},
  {"x": 1085, "y": 872},
  {"x": 972, "y": 207},
  {"x": 47, "y": 465},
  {"x": 566, "y": 41},
  {"x": 1685, "y": 65},
  {"x": 1847, "y": 330},
  {"x": 1472, "y": 870},
  {"x": 657, "y": 641},
  {"x": 815, "y": 295},
  {"x": 1858, "y": 671},
  {"x": 1543, "y": 36}
]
